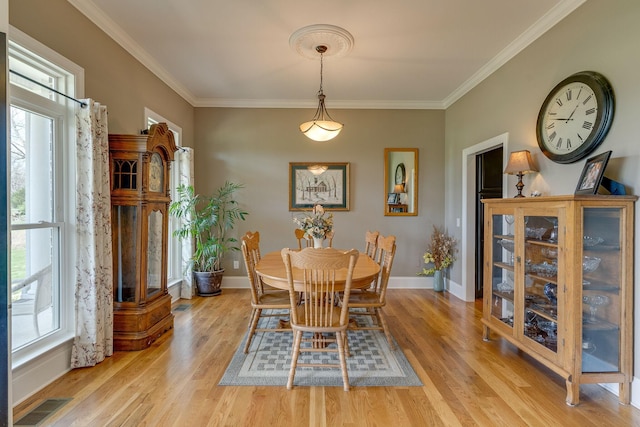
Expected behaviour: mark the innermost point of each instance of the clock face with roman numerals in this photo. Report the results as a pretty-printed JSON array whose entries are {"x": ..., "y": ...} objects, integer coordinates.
[{"x": 575, "y": 117}]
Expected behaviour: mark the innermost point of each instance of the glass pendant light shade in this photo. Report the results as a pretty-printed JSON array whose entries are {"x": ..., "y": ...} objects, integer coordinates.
[{"x": 321, "y": 130}]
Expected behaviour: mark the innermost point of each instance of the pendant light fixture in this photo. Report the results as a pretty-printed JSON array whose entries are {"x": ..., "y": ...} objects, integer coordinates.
[
  {"x": 322, "y": 127},
  {"x": 324, "y": 40}
]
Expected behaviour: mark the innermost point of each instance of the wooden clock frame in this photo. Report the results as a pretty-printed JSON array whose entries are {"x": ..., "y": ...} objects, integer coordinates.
[{"x": 140, "y": 198}]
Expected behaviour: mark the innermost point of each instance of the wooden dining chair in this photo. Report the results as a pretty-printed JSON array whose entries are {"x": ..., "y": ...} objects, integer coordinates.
[
  {"x": 261, "y": 299},
  {"x": 372, "y": 301},
  {"x": 371, "y": 243},
  {"x": 319, "y": 312},
  {"x": 329, "y": 238},
  {"x": 303, "y": 241}
]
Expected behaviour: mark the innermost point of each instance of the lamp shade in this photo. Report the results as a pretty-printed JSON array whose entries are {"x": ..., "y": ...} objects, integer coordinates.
[
  {"x": 321, "y": 130},
  {"x": 520, "y": 162},
  {"x": 399, "y": 188}
]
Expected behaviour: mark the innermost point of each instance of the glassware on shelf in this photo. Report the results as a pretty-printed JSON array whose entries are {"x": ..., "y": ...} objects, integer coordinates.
[
  {"x": 549, "y": 328},
  {"x": 588, "y": 345},
  {"x": 590, "y": 264},
  {"x": 589, "y": 241},
  {"x": 549, "y": 252},
  {"x": 536, "y": 232},
  {"x": 509, "y": 247},
  {"x": 594, "y": 302},
  {"x": 505, "y": 287},
  {"x": 553, "y": 237},
  {"x": 544, "y": 269},
  {"x": 550, "y": 291},
  {"x": 509, "y": 219}
]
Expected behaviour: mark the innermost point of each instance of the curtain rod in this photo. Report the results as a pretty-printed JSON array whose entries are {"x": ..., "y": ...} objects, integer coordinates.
[{"x": 82, "y": 103}]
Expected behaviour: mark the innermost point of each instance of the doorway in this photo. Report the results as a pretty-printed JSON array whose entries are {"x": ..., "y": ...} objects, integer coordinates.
[
  {"x": 467, "y": 291},
  {"x": 488, "y": 186}
]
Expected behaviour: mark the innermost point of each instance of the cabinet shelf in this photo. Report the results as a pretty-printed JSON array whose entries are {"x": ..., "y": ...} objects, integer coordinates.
[{"x": 547, "y": 313}]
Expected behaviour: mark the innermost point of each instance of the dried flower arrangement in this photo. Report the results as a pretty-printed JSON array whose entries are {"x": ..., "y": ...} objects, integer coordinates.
[{"x": 440, "y": 252}]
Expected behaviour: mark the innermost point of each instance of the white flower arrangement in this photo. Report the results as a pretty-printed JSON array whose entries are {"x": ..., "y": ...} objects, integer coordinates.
[{"x": 317, "y": 224}]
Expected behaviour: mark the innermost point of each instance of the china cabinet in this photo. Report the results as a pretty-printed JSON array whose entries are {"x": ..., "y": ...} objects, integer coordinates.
[
  {"x": 140, "y": 197},
  {"x": 558, "y": 284}
]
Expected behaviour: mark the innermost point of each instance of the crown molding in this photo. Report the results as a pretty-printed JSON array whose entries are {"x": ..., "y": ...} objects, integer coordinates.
[
  {"x": 331, "y": 105},
  {"x": 113, "y": 30},
  {"x": 541, "y": 26}
]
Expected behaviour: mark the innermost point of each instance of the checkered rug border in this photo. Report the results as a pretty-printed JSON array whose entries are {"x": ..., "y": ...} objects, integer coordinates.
[{"x": 372, "y": 362}]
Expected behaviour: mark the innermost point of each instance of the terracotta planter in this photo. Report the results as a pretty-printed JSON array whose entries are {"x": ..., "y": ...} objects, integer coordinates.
[{"x": 208, "y": 283}]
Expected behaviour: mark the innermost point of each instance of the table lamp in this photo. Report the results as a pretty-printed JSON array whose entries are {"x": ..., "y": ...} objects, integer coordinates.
[{"x": 520, "y": 162}]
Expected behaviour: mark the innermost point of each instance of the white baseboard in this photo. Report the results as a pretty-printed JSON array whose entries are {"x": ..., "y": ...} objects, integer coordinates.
[
  {"x": 174, "y": 290},
  {"x": 34, "y": 375}
]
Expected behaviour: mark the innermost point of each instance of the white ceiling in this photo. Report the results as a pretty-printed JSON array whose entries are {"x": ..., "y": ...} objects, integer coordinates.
[{"x": 406, "y": 53}]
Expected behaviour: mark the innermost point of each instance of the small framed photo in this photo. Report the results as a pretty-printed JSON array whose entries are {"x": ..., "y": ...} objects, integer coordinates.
[
  {"x": 313, "y": 183},
  {"x": 393, "y": 198},
  {"x": 592, "y": 174}
]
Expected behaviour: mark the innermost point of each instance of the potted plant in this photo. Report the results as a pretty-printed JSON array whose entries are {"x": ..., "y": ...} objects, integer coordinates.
[
  {"x": 440, "y": 255},
  {"x": 208, "y": 221}
]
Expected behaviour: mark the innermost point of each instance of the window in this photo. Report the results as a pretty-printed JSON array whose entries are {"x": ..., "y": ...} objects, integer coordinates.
[
  {"x": 42, "y": 199},
  {"x": 174, "y": 269}
]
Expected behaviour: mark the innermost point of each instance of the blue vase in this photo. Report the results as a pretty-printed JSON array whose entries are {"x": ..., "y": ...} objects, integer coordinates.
[{"x": 438, "y": 281}]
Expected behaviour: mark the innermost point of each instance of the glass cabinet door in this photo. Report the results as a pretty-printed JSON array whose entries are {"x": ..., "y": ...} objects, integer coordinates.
[
  {"x": 601, "y": 281},
  {"x": 502, "y": 278},
  {"x": 541, "y": 272}
]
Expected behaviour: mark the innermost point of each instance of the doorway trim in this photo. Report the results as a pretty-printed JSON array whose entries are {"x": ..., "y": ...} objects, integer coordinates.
[{"x": 468, "y": 207}]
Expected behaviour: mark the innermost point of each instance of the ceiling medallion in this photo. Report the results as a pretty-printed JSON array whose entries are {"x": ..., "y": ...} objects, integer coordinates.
[{"x": 338, "y": 41}]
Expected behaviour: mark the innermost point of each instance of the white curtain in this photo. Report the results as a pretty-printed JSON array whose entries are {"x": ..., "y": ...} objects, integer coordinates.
[
  {"x": 185, "y": 169},
  {"x": 94, "y": 271}
]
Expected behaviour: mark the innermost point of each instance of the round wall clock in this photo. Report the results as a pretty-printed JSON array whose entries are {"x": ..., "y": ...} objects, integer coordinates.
[
  {"x": 575, "y": 117},
  {"x": 400, "y": 173}
]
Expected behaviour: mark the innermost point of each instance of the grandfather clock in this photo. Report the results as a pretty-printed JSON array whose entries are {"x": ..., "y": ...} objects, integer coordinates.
[{"x": 140, "y": 197}]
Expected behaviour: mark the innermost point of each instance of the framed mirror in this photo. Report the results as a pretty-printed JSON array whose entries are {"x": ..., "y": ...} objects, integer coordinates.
[{"x": 401, "y": 181}]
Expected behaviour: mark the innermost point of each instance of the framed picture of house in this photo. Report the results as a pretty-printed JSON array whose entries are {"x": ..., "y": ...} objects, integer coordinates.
[
  {"x": 312, "y": 183},
  {"x": 592, "y": 174}
]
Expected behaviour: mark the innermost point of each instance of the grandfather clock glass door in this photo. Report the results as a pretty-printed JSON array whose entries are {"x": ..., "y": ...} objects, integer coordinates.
[
  {"x": 155, "y": 242},
  {"x": 125, "y": 220}
]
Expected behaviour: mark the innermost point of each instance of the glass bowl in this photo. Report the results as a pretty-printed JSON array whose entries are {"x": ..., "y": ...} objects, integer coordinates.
[
  {"x": 590, "y": 264},
  {"x": 536, "y": 232},
  {"x": 549, "y": 328},
  {"x": 545, "y": 269},
  {"x": 551, "y": 253},
  {"x": 589, "y": 241},
  {"x": 506, "y": 244}
]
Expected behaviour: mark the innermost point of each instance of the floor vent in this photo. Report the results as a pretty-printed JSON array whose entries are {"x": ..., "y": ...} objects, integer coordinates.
[
  {"x": 41, "y": 413},
  {"x": 182, "y": 307}
]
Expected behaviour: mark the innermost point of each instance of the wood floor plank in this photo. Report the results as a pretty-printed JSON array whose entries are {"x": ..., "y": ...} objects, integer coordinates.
[{"x": 466, "y": 381}]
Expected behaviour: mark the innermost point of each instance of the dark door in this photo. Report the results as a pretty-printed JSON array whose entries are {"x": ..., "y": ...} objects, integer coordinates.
[{"x": 488, "y": 186}]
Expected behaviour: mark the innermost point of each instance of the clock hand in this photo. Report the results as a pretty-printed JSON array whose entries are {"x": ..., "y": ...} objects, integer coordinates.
[
  {"x": 566, "y": 120},
  {"x": 571, "y": 115}
]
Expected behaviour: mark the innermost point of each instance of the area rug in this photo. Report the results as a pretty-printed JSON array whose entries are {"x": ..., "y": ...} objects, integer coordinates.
[{"x": 372, "y": 362}]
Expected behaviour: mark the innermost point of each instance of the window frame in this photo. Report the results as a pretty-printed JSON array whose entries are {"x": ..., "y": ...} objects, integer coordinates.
[{"x": 69, "y": 80}]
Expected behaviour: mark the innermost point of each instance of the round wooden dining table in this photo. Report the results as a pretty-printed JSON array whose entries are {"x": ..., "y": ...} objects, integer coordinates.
[{"x": 272, "y": 271}]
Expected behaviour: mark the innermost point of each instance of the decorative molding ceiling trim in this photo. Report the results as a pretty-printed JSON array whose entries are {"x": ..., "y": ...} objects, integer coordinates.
[
  {"x": 338, "y": 41},
  {"x": 334, "y": 104},
  {"x": 541, "y": 26},
  {"x": 106, "y": 24},
  {"x": 113, "y": 30}
]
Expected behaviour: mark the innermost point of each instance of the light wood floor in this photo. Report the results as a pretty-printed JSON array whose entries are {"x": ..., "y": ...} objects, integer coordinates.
[{"x": 466, "y": 381}]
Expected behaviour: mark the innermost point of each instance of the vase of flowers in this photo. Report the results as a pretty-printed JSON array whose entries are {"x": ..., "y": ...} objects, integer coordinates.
[
  {"x": 440, "y": 255},
  {"x": 316, "y": 225}
]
